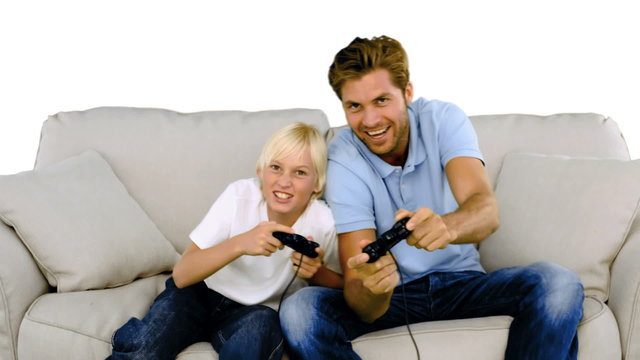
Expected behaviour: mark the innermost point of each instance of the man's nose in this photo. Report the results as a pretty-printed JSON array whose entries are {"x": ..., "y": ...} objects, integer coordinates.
[{"x": 371, "y": 116}]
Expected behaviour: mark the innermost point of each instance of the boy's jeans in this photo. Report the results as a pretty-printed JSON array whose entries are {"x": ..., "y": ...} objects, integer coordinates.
[
  {"x": 181, "y": 317},
  {"x": 544, "y": 299}
]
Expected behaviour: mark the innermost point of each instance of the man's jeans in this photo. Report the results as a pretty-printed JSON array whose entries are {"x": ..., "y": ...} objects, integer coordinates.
[
  {"x": 544, "y": 299},
  {"x": 181, "y": 317}
]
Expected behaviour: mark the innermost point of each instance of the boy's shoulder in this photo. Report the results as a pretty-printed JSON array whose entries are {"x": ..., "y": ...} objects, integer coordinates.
[
  {"x": 246, "y": 188},
  {"x": 319, "y": 211}
]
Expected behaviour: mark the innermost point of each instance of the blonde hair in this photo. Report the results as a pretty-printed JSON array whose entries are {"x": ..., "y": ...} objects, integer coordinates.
[
  {"x": 295, "y": 139},
  {"x": 362, "y": 56}
]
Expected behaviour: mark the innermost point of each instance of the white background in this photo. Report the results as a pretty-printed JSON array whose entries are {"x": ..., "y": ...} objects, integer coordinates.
[{"x": 538, "y": 57}]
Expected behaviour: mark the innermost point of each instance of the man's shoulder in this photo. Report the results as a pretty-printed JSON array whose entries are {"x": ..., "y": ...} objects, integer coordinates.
[
  {"x": 343, "y": 147},
  {"x": 433, "y": 110}
]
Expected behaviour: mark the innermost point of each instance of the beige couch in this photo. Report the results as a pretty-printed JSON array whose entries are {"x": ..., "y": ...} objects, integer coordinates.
[{"x": 96, "y": 227}]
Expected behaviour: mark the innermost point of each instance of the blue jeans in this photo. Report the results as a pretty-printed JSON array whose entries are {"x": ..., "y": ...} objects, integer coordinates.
[
  {"x": 545, "y": 301},
  {"x": 181, "y": 317}
]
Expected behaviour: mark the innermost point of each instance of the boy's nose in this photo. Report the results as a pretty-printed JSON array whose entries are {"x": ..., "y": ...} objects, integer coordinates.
[{"x": 284, "y": 180}]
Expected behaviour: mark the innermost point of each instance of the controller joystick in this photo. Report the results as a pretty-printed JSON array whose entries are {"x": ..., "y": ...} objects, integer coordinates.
[
  {"x": 387, "y": 240},
  {"x": 298, "y": 243}
]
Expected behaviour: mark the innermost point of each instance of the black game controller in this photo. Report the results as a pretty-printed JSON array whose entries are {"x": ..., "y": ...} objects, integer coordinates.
[
  {"x": 298, "y": 243},
  {"x": 387, "y": 240}
]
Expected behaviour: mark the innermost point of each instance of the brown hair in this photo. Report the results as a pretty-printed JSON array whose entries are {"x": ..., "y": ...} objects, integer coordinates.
[{"x": 362, "y": 56}]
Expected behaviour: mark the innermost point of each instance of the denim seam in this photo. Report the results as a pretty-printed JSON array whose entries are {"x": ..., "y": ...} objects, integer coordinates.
[
  {"x": 221, "y": 338},
  {"x": 276, "y": 349}
]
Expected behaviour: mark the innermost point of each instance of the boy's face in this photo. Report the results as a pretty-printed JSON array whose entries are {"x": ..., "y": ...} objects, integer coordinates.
[
  {"x": 287, "y": 186},
  {"x": 376, "y": 111}
]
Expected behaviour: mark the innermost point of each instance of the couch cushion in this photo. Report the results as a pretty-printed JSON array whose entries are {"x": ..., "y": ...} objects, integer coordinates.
[
  {"x": 79, "y": 325},
  {"x": 485, "y": 338},
  {"x": 571, "y": 134},
  {"x": 81, "y": 225},
  {"x": 173, "y": 164},
  {"x": 572, "y": 211}
]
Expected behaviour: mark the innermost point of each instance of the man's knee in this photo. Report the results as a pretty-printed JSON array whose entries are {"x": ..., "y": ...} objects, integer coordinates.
[
  {"x": 561, "y": 288},
  {"x": 300, "y": 311}
]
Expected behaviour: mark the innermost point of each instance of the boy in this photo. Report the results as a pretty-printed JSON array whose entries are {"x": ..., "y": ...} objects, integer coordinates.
[{"x": 226, "y": 285}]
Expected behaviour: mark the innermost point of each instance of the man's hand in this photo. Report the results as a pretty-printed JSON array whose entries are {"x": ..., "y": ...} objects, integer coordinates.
[
  {"x": 428, "y": 229},
  {"x": 379, "y": 277},
  {"x": 309, "y": 266}
]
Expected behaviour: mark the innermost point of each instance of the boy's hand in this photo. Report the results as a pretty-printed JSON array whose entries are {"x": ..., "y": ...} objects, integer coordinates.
[
  {"x": 378, "y": 277},
  {"x": 308, "y": 266},
  {"x": 260, "y": 240}
]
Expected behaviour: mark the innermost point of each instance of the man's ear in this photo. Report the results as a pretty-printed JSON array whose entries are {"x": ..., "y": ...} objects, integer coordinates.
[{"x": 408, "y": 93}]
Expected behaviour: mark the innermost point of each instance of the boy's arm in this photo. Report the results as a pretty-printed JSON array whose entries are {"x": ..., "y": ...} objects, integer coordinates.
[
  {"x": 327, "y": 278},
  {"x": 314, "y": 271},
  {"x": 197, "y": 264}
]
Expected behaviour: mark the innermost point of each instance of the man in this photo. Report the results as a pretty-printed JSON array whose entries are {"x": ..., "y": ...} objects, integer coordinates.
[{"x": 419, "y": 161}]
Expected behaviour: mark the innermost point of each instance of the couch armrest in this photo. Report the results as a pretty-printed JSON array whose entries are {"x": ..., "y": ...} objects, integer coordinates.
[
  {"x": 624, "y": 298},
  {"x": 21, "y": 282}
]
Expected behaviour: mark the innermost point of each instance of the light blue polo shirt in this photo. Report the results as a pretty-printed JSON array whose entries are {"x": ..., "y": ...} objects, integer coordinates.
[{"x": 364, "y": 192}]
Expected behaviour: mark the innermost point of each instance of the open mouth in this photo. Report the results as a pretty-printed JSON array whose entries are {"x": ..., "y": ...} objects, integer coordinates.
[
  {"x": 282, "y": 195},
  {"x": 377, "y": 134}
]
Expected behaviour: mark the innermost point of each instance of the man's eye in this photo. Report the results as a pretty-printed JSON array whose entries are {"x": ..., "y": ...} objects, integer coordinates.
[
  {"x": 382, "y": 100},
  {"x": 354, "y": 107}
]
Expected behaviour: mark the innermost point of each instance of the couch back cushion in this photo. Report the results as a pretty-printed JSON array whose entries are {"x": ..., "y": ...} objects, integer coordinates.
[
  {"x": 173, "y": 164},
  {"x": 576, "y": 135}
]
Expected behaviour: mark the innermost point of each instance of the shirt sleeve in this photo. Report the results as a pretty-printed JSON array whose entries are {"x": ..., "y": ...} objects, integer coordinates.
[
  {"x": 456, "y": 135},
  {"x": 350, "y": 199},
  {"x": 215, "y": 227}
]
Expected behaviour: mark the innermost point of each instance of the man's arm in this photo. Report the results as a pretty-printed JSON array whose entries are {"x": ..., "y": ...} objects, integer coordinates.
[
  {"x": 367, "y": 287},
  {"x": 475, "y": 219}
]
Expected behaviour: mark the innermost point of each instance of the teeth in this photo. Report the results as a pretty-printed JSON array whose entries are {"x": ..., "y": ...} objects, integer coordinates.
[
  {"x": 377, "y": 132},
  {"x": 283, "y": 196}
]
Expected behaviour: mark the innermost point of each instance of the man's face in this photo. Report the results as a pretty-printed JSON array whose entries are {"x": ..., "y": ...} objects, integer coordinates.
[{"x": 376, "y": 111}]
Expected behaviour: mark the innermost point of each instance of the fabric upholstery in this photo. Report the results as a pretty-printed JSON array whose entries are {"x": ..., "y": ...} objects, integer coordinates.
[
  {"x": 173, "y": 164},
  {"x": 576, "y": 212},
  {"x": 81, "y": 225}
]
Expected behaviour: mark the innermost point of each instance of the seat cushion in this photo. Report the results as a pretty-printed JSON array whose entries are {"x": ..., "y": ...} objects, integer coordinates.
[
  {"x": 79, "y": 326},
  {"x": 485, "y": 338}
]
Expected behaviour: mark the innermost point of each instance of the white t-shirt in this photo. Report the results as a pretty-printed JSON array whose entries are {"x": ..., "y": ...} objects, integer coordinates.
[{"x": 253, "y": 280}]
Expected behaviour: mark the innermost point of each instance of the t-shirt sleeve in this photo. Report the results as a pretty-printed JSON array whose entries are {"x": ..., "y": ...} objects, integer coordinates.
[
  {"x": 331, "y": 259},
  {"x": 349, "y": 198},
  {"x": 456, "y": 135},
  {"x": 215, "y": 227}
]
